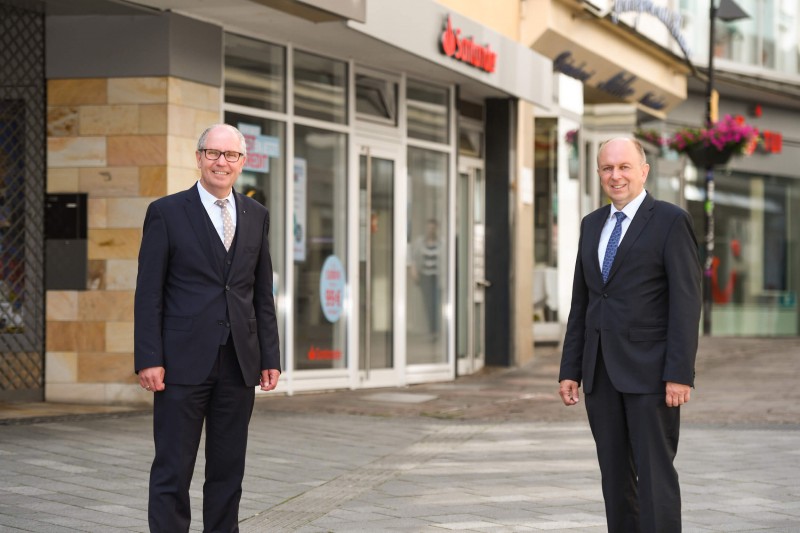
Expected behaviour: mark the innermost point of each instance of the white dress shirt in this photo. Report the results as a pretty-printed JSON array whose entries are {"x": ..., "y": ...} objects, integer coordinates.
[
  {"x": 214, "y": 211},
  {"x": 630, "y": 212}
]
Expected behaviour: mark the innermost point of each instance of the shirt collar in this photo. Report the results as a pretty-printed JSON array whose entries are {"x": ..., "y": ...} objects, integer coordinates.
[
  {"x": 632, "y": 207},
  {"x": 208, "y": 199}
]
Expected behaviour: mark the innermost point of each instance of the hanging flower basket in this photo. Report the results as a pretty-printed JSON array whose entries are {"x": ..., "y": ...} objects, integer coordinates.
[
  {"x": 709, "y": 156},
  {"x": 715, "y": 145}
]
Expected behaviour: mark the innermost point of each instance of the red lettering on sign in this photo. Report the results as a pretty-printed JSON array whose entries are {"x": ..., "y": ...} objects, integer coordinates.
[
  {"x": 257, "y": 160},
  {"x": 333, "y": 298},
  {"x": 467, "y": 50},
  {"x": 316, "y": 354}
]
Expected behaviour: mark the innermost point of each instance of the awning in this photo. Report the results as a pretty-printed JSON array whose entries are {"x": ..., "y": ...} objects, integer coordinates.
[{"x": 607, "y": 58}]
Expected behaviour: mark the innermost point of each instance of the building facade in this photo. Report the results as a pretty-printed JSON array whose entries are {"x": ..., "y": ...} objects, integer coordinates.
[
  {"x": 754, "y": 273},
  {"x": 426, "y": 165},
  {"x": 366, "y": 126}
]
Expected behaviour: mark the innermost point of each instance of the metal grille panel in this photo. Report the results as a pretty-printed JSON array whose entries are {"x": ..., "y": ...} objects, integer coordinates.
[{"x": 22, "y": 180}]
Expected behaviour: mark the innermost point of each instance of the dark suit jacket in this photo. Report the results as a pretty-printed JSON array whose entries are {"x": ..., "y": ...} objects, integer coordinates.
[
  {"x": 646, "y": 317},
  {"x": 182, "y": 293}
]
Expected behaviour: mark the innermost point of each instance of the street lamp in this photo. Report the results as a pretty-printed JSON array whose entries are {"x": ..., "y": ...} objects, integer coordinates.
[{"x": 727, "y": 11}]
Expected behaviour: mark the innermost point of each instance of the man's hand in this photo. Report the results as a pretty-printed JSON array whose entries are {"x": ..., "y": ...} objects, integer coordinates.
[
  {"x": 677, "y": 394},
  {"x": 568, "y": 390},
  {"x": 152, "y": 379},
  {"x": 269, "y": 379}
]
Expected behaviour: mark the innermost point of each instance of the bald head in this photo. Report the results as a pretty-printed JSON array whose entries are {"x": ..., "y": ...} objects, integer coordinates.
[{"x": 623, "y": 169}]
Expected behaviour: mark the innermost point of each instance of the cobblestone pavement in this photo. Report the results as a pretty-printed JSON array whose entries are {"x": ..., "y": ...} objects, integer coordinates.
[{"x": 491, "y": 452}]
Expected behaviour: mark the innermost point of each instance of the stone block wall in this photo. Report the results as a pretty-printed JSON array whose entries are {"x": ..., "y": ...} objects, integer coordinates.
[{"x": 124, "y": 142}]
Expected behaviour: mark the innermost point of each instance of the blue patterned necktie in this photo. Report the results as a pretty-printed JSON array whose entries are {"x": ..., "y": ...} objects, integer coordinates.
[{"x": 613, "y": 244}]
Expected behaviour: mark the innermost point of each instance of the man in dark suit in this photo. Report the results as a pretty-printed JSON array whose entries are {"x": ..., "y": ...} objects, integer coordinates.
[
  {"x": 632, "y": 340},
  {"x": 205, "y": 333}
]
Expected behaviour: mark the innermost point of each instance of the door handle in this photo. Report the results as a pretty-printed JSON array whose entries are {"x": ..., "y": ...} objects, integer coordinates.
[{"x": 483, "y": 283}]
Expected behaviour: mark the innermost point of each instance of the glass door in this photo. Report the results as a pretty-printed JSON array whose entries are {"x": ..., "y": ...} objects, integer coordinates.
[
  {"x": 470, "y": 273},
  {"x": 376, "y": 251}
]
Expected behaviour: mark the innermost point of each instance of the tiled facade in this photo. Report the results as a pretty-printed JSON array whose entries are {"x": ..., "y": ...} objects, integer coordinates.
[{"x": 124, "y": 142}]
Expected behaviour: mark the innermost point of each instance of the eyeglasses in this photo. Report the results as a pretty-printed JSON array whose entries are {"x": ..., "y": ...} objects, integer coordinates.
[{"x": 213, "y": 155}]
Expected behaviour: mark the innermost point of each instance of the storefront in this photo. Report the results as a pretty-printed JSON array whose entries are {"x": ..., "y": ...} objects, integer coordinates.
[
  {"x": 367, "y": 140},
  {"x": 754, "y": 277},
  {"x": 607, "y": 79},
  {"x": 629, "y": 71}
]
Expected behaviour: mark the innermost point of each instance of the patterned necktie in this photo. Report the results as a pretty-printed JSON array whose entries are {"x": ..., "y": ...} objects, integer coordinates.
[
  {"x": 613, "y": 244},
  {"x": 227, "y": 223}
]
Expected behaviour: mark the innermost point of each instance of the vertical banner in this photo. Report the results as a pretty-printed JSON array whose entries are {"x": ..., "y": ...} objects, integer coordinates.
[{"x": 299, "y": 229}]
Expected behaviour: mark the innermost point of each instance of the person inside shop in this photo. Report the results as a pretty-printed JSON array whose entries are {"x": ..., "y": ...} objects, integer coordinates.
[
  {"x": 631, "y": 340},
  {"x": 205, "y": 333}
]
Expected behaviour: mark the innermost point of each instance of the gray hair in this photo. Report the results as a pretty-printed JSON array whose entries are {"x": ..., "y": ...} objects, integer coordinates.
[
  {"x": 201, "y": 142},
  {"x": 635, "y": 142}
]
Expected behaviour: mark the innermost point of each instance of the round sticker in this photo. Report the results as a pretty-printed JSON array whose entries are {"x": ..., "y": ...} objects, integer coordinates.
[{"x": 331, "y": 288}]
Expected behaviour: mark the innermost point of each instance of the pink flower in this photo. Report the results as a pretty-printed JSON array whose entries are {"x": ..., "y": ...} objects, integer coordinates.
[{"x": 728, "y": 134}]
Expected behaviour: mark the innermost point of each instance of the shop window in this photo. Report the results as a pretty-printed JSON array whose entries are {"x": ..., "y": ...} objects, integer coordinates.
[
  {"x": 427, "y": 255},
  {"x": 470, "y": 129},
  {"x": 470, "y": 142},
  {"x": 428, "y": 112},
  {"x": 754, "y": 276},
  {"x": 376, "y": 99},
  {"x": 320, "y": 248},
  {"x": 255, "y": 73},
  {"x": 320, "y": 88},
  {"x": 263, "y": 179}
]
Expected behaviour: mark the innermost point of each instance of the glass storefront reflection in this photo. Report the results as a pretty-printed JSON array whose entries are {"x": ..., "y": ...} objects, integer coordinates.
[
  {"x": 427, "y": 256},
  {"x": 753, "y": 288},
  {"x": 320, "y": 246},
  {"x": 255, "y": 73}
]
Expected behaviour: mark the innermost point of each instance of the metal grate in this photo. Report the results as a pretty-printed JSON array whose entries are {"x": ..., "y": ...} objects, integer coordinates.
[{"x": 22, "y": 180}]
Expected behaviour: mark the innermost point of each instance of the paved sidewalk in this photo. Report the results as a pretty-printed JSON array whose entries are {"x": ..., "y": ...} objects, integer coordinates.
[{"x": 494, "y": 452}]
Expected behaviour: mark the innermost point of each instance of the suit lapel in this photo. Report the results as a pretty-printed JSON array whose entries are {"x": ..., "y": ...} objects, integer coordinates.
[
  {"x": 640, "y": 220},
  {"x": 197, "y": 215}
]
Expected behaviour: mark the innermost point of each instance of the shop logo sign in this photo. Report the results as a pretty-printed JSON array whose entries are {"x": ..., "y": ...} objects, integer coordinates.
[{"x": 465, "y": 49}]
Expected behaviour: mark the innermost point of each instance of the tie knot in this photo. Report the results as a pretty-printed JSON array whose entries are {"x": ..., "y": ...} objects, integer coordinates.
[
  {"x": 222, "y": 203},
  {"x": 619, "y": 214}
]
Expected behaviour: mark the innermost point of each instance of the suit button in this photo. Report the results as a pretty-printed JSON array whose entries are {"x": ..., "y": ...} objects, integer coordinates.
[
  {"x": 605, "y": 295},
  {"x": 227, "y": 324},
  {"x": 227, "y": 262},
  {"x": 227, "y": 287}
]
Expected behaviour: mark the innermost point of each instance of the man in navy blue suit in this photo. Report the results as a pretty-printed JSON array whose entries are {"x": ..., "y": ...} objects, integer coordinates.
[
  {"x": 632, "y": 340},
  {"x": 205, "y": 333}
]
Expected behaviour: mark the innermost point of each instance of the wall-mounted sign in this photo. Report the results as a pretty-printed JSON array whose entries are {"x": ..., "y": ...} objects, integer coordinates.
[
  {"x": 618, "y": 83},
  {"x": 467, "y": 50},
  {"x": 604, "y": 60},
  {"x": 671, "y": 19}
]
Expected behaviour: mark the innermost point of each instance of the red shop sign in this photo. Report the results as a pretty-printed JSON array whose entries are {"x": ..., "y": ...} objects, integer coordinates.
[{"x": 465, "y": 49}]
